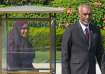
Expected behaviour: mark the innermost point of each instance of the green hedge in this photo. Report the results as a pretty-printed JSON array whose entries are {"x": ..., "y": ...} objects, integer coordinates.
[
  {"x": 59, "y": 33},
  {"x": 40, "y": 38},
  {"x": 62, "y": 18},
  {"x": 103, "y": 37}
]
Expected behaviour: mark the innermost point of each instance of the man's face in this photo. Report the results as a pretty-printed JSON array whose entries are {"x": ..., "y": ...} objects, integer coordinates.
[{"x": 85, "y": 15}]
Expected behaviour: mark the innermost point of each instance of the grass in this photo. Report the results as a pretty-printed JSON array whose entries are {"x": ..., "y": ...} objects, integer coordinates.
[{"x": 43, "y": 56}]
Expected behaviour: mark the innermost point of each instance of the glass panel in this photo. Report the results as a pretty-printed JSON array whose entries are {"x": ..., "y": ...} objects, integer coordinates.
[
  {"x": 4, "y": 46},
  {"x": 40, "y": 37},
  {"x": 26, "y": 46},
  {"x": 0, "y": 46}
]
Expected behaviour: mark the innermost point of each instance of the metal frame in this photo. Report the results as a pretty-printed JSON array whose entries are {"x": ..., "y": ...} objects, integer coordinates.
[{"x": 52, "y": 24}]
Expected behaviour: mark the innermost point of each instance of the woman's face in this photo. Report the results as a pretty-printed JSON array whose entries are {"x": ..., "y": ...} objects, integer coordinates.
[{"x": 23, "y": 31}]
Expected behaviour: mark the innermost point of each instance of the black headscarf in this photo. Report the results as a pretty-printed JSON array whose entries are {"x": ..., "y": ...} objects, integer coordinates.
[{"x": 20, "y": 51}]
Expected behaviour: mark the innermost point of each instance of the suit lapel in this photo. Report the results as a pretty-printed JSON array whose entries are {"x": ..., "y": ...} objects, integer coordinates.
[
  {"x": 82, "y": 33},
  {"x": 90, "y": 36}
]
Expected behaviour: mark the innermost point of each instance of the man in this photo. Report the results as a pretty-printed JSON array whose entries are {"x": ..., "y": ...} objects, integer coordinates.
[
  {"x": 103, "y": 64},
  {"x": 81, "y": 45}
]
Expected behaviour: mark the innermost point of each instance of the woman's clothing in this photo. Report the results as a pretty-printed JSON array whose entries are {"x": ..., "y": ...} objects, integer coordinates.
[{"x": 20, "y": 51}]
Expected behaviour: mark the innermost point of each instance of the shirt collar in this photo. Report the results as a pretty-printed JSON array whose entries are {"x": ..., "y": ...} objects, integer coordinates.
[{"x": 83, "y": 26}]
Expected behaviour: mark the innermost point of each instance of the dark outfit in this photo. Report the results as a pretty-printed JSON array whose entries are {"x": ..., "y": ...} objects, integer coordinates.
[
  {"x": 103, "y": 64},
  {"x": 20, "y": 51},
  {"x": 79, "y": 55}
]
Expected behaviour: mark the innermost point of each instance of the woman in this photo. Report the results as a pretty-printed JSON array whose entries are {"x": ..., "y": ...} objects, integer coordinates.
[{"x": 20, "y": 50}]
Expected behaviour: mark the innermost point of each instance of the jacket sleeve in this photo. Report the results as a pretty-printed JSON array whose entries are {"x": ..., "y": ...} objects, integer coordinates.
[
  {"x": 99, "y": 48},
  {"x": 66, "y": 46}
]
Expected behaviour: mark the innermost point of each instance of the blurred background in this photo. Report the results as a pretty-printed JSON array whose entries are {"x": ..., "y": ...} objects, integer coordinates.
[{"x": 39, "y": 31}]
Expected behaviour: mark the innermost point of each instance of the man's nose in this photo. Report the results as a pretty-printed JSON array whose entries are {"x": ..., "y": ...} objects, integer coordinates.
[{"x": 87, "y": 16}]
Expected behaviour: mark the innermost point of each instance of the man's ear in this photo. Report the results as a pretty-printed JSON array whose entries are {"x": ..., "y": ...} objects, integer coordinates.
[{"x": 78, "y": 14}]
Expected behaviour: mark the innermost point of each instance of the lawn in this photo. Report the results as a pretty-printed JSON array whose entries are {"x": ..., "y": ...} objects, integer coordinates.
[{"x": 43, "y": 56}]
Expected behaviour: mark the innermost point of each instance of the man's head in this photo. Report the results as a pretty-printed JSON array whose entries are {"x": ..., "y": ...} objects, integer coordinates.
[{"x": 84, "y": 13}]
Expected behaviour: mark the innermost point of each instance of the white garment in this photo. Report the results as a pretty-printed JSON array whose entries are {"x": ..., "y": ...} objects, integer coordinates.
[{"x": 84, "y": 27}]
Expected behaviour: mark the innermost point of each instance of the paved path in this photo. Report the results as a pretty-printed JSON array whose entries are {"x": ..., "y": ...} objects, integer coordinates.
[{"x": 58, "y": 67}]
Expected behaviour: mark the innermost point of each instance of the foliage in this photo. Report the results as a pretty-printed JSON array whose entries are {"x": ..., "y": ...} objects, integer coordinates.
[
  {"x": 59, "y": 32},
  {"x": 39, "y": 38},
  {"x": 25, "y": 2},
  {"x": 103, "y": 37},
  {"x": 97, "y": 10},
  {"x": 62, "y": 18}
]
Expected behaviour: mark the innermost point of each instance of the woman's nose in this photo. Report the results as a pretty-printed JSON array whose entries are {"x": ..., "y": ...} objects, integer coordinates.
[{"x": 25, "y": 30}]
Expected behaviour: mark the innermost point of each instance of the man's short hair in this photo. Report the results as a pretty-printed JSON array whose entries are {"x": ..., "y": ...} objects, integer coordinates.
[{"x": 84, "y": 5}]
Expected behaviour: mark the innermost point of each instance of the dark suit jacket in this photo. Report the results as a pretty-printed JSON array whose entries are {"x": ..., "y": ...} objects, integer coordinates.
[
  {"x": 79, "y": 56},
  {"x": 103, "y": 64}
]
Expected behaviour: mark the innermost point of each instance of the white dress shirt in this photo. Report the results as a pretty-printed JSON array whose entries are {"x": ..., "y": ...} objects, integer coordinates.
[{"x": 84, "y": 27}]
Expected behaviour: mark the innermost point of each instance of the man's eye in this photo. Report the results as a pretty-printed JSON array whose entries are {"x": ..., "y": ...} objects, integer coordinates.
[{"x": 87, "y": 13}]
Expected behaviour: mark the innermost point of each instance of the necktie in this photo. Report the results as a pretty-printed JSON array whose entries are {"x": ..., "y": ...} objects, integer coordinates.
[{"x": 87, "y": 34}]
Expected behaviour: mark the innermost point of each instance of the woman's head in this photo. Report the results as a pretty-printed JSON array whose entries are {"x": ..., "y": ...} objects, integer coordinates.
[{"x": 21, "y": 27}]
